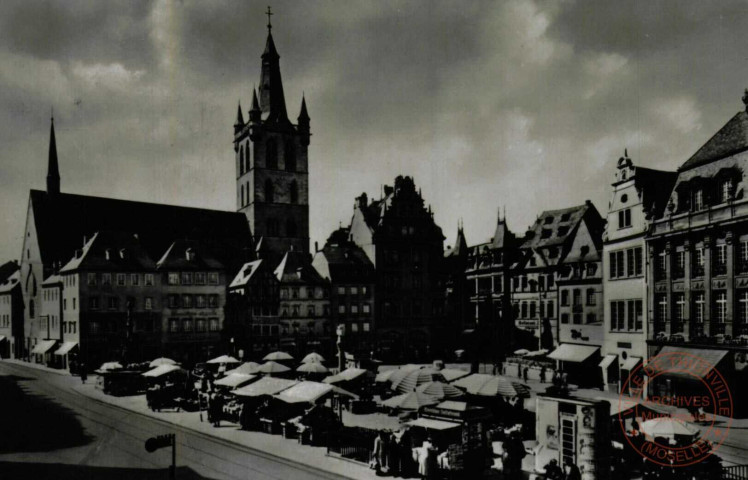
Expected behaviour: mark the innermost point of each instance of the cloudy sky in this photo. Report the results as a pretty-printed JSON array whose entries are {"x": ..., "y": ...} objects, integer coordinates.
[{"x": 525, "y": 104}]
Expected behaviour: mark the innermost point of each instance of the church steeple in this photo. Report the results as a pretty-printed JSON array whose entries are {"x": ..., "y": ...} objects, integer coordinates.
[
  {"x": 239, "y": 119},
  {"x": 272, "y": 99},
  {"x": 53, "y": 169}
]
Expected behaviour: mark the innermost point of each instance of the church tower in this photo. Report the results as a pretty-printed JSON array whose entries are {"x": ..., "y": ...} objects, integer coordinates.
[{"x": 272, "y": 186}]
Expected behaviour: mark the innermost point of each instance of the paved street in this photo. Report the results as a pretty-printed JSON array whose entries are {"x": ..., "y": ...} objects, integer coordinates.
[{"x": 51, "y": 431}]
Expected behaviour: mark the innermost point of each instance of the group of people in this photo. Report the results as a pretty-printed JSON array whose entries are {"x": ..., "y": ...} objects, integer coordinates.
[
  {"x": 394, "y": 455},
  {"x": 569, "y": 471}
]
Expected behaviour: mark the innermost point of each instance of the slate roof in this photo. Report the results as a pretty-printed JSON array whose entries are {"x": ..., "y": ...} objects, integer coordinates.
[
  {"x": 732, "y": 138},
  {"x": 63, "y": 220},
  {"x": 295, "y": 267},
  {"x": 10, "y": 282},
  {"x": 176, "y": 257},
  {"x": 342, "y": 261},
  {"x": 655, "y": 187},
  {"x": 246, "y": 273},
  {"x": 554, "y": 227},
  {"x": 7, "y": 269},
  {"x": 123, "y": 250}
]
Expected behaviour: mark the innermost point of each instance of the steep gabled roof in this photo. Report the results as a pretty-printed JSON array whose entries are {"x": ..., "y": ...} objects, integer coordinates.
[
  {"x": 732, "y": 138},
  {"x": 111, "y": 251},
  {"x": 296, "y": 267},
  {"x": 343, "y": 262},
  {"x": 655, "y": 187},
  {"x": 7, "y": 269},
  {"x": 63, "y": 221},
  {"x": 554, "y": 227},
  {"x": 247, "y": 273},
  {"x": 188, "y": 255}
]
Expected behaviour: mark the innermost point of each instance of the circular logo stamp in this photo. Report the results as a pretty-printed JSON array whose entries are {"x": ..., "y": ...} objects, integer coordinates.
[{"x": 679, "y": 411}]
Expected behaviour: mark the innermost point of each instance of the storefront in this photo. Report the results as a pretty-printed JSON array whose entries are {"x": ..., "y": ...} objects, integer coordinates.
[
  {"x": 42, "y": 351},
  {"x": 580, "y": 363},
  {"x": 66, "y": 350}
]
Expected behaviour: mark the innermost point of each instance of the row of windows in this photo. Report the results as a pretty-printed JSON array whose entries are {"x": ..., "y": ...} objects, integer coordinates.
[
  {"x": 354, "y": 309},
  {"x": 193, "y": 301},
  {"x": 5, "y": 299},
  {"x": 626, "y": 316},
  {"x": 577, "y": 318},
  {"x": 530, "y": 309},
  {"x": 626, "y": 263},
  {"x": 311, "y": 311},
  {"x": 523, "y": 283},
  {"x": 69, "y": 280},
  {"x": 397, "y": 282},
  {"x": 591, "y": 298},
  {"x": 353, "y": 290},
  {"x": 113, "y": 303},
  {"x": 308, "y": 328},
  {"x": 269, "y": 192},
  {"x": 303, "y": 292},
  {"x": 121, "y": 279},
  {"x": 189, "y": 325},
  {"x": 51, "y": 294},
  {"x": 265, "y": 330},
  {"x": 700, "y": 195},
  {"x": 698, "y": 261},
  {"x": 677, "y": 313},
  {"x": 69, "y": 327},
  {"x": 353, "y": 327},
  {"x": 193, "y": 278}
]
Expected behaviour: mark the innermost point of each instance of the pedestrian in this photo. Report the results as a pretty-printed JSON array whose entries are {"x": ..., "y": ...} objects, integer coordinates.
[
  {"x": 524, "y": 373},
  {"x": 571, "y": 471},
  {"x": 553, "y": 471},
  {"x": 84, "y": 374},
  {"x": 393, "y": 462},
  {"x": 404, "y": 444},
  {"x": 542, "y": 374},
  {"x": 218, "y": 409},
  {"x": 376, "y": 453},
  {"x": 427, "y": 459}
]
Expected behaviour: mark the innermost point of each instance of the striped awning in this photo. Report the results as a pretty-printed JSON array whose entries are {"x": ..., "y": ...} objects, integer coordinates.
[
  {"x": 43, "y": 347},
  {"x": 65, "y": 348}
]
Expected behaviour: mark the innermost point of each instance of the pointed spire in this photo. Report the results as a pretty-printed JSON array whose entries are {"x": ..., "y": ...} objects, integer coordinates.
[
  {"x": 303, "y": 115},
  {"x": 255, "y": 103},
  {"x": 272, "y": 99},
  {"x": 53, "y": 169},
  {"x": 255, "y": 114},
  {"x": 239, "y": 116}
]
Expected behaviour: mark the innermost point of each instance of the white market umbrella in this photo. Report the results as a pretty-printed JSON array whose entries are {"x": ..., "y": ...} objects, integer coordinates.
[
  {"x": 224, "y": 359},
  {"x": 312, "y": 367},
  {"x": 249, "y": 368},
  {"x": 161, "y": 361},
  {"x": 312, "y": 357},
  {"x": 410, "y": 401},
  {"x": 272, "y": 367},
  {"x": 107, "y": 366},
  {"x": 666, "y": 427},
  {"x": 521, "y": 351},
  {"x": 277, "y": 357}
]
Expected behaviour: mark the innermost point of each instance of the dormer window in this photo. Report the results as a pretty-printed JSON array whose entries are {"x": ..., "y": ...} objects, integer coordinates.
[
  {"x": 546, "y": 233},
  {"x": 107, "y": 254},
  {"x": 565, "y": 217},
  {"x": 562, "y": 231},
  {"x": 698, "y": 199},
  {"x": 189, "y": 254},
  {"x": 548, "y": 220},
  {"x": 725, "y": 190}
]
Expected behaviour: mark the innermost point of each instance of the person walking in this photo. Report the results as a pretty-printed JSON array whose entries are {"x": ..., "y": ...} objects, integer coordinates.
[
  {"x": 393, "y": 462},
  {"x": 376, "y": 452},
  {"x": 524, "y": 373},
  {"x": 571, "y": 471},
  {"x": 542, "y": 374},
  {"x": 84, "y": 374}
]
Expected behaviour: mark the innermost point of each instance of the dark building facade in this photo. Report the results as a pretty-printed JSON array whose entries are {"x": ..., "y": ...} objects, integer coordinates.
[{"x": 400, "y": 237}]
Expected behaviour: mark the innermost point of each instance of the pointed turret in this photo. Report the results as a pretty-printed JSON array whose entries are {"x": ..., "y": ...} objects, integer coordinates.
[
  {"x": 239, "y": 119},
  {"x": 255, "y": 113},
  {"x": 303, "y": 125},
  {"x": 272, "y": 99},
  {"x": 53, "y": 169},
  {"x": 461, "y": 246}
]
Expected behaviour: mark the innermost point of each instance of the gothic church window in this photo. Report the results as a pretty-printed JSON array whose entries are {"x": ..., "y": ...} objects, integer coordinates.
[
  {"x": 294, "y": 192},
  {"x": 271, "y": 154},
  {"x": 243, "y": 203},
  {"x": 241, "y": 160},
  {"x": 269, "y": 197},
  {"x": 290, "y": 156}
]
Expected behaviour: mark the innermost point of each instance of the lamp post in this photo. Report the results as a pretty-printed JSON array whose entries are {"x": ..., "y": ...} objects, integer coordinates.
[{"x": 340, "y": 332}]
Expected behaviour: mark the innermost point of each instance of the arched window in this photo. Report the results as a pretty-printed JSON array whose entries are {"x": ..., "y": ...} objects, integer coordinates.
[
  {"x": 269, "y": 198},
  {"x": 247, "y": 162},
  {"x": 294, "y": 192},
  {"x": 241, "y": 160},
  {"x": 290, "y": 228},
  {"x": 242, "y": 204},
  {"x": 271, "y": 154},
  {"x": 290, "y": 156}
]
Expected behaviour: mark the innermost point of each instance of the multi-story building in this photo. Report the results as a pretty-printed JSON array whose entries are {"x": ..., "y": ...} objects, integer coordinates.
[
  {"x": 55, "y": 231},
  {"x": 698, "y": 261},
  {"x": 400, "y": 237},
  {"x": 50, "y": 321},
  {"x": 639, "y": 196},
  {"x": 489, "y": 326},
  {"x": 352, "y": 282},
  {"x": 305, "y": 319},
  {"x": 193, "y": 284},
  {"x": 253, "y": 307},
  {"x": 11, "y": 310},
  {"x": 557, "y": 287}
]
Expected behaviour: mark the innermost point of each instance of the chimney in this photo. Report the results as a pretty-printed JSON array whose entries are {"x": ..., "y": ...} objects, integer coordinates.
[
  {"x": 363, "y": 201},
  {"x": 316, "y": 246}
]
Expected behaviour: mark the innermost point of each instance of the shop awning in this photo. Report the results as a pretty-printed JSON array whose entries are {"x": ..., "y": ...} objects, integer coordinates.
[
  {"x": 432, "y": 424},
  {"x": 65, "y": 348},
  {"x": 607, "y": 360},
  {"x": 630, "y": 363},
  {"x": 700, "y": 356},
  {"x": 43, "y": 347},
  {"x": 304, "y": 392},
  {"x": 346, "y": 375},
  {"x": 568, "y": 352},
  {"x": 265, "y": 386}
]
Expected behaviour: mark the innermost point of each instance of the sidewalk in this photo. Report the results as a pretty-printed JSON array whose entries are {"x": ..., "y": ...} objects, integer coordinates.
[
  {"x": 37, "y": 366},
  {"x": 272, "y": 445}
]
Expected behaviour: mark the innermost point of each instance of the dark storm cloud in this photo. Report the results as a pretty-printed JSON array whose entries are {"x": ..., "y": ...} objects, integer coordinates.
[{"x": 520, "y": 103}]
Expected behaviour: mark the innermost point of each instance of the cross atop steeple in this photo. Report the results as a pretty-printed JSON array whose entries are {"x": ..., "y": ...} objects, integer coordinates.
[{"x": 269, "y": 13}]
